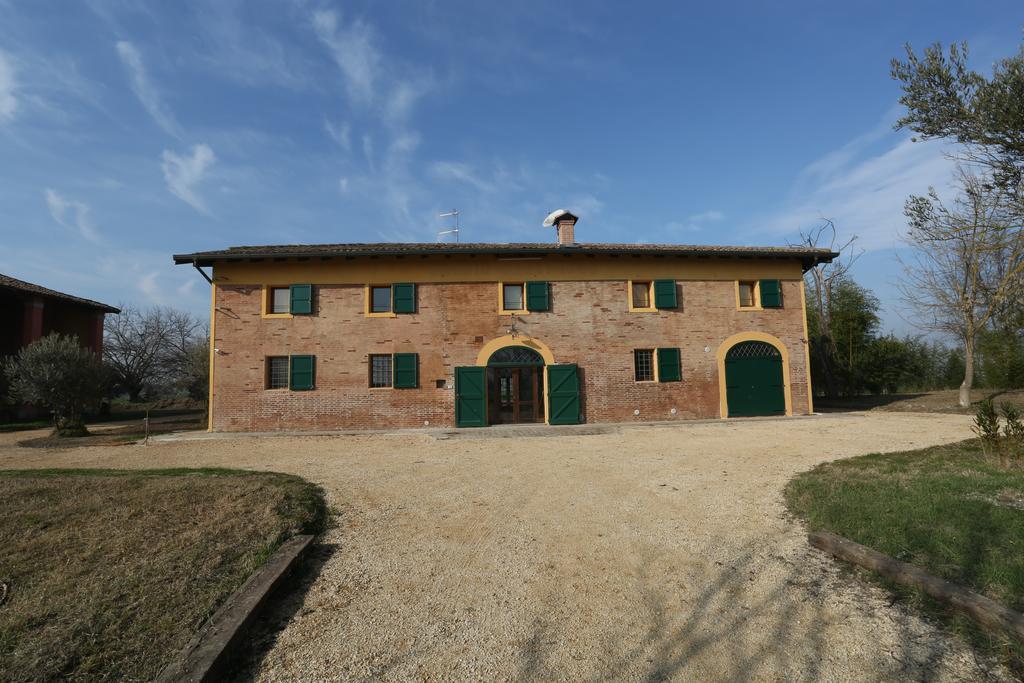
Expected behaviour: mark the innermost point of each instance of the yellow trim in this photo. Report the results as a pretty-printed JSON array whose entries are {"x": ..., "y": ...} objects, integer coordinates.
[
  {"x": 501, "y": 299},
  {"x": 508, "y": 340},
  {"x": 267, "y": 307},
  {"x": 807, "y": 348},
  {"x": 650, "y": 296},
  {"x": 557, "y": 268},
  {"x": 723, "y": 349},
  {"x": 757, "y": 296},
  {"x": 366, "y": 301},
  {"x": 213, "y": 340}
]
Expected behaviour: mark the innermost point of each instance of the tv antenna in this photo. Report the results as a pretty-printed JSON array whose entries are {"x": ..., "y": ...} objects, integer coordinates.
[{"x": 454, "y": 214}]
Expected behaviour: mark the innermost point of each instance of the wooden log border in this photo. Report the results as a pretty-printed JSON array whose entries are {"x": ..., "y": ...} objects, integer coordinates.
[
  {"x": 204, "y": 657},
  {"x": 985, "y": 611}
]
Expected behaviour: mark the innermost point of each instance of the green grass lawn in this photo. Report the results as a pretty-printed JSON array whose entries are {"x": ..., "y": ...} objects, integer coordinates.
[
  {"x": 110, "y": 573},
  {"x": 947, "y": 509}
]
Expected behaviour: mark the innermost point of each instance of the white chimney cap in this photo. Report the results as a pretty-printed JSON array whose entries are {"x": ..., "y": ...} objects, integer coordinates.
[{"x": 555, "y": 215}]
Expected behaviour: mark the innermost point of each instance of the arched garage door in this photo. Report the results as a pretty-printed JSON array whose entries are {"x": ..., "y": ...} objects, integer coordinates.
[{"x": 753, "y": 380}]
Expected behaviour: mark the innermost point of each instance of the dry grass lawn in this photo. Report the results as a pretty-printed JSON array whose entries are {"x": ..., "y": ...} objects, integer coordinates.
[{"x": 109, "y": 573}]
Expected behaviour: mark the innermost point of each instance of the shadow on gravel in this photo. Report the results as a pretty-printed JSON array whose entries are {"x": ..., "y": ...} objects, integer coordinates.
[
  {"x": 782, "y": 633},
  {"x": 279, "y": 610}
]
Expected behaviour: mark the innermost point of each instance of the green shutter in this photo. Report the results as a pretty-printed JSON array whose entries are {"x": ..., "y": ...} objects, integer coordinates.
[
  {"x": 406, "y": 371},
  {"x": 302, "y": 373},
  {"x": 665, "y": 294},
  {"x": 537, "y": 296},
  {"x": 301, "y": 299},
  {"x": 403, "y": 297},
  {"x": 563, "y": 394},
  {"x": 771, "y": 294},
  {"x": 669, "y": 368},
  {"x": 471, "y": 397}
]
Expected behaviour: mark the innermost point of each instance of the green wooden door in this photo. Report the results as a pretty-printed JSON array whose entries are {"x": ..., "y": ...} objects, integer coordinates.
[
  {"x": 563, "y": 394},
  {"x": 753, "y": 380},
  {"x": 471, "y": 397}
]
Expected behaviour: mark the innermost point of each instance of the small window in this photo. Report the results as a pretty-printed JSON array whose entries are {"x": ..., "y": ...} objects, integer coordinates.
[
  {"x": 643, "y": 365},
  {"x": 747, "y": 293},
  {"x": 641, "y": 294},
  {"x": 277, "y": 372},
  {"x": 380, "y": 371},
  {"x": 380, "y": 299},
  {"x": 280, "y": 300},
  {"x": 512, "y": 297}
]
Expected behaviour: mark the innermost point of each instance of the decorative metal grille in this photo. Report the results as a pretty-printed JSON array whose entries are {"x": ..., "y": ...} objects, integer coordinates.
[
  {"x": 380, "y": 371},
  {"x": 753, "y": 349},
  {"x": 277, "y": 372},
  {"x": 515, "y": 355},
  {"x": 643, "y": 365}
]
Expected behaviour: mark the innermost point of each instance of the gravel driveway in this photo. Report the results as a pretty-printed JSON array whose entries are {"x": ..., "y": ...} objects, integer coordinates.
[{"x": 648, "y": 553}]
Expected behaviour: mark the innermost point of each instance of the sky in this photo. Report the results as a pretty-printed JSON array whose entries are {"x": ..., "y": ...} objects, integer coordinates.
[{"x": 130, "y": 131}]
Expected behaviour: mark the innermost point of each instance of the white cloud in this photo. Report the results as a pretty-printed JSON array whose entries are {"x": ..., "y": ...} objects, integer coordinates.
[
  {"x": 340, "y": 133},
  {"x": 368, "y": 149},
  {"x": 148, "y": 286},
  {"x": 144, "y": 89},
  {"x": 710, "y": 216},
  {"x": 71, "y": 214},
  {"x": 862, "y": 189},
  {"x": 372, "y": 81},
  {"x": 353, "y": 52},
  {"x": 184, "y": 173},
  {"x": 695, "y": 222},
  {"x": 8, "y": 102},
  {"x": 343, "y": 185},
  {"x": 461, "y": 172}
]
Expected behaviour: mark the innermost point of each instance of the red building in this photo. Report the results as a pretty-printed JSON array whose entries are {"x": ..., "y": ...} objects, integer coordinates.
[{"x": 28, "y": 312}]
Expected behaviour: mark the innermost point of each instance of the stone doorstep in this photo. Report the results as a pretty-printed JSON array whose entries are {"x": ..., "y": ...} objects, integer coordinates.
[{"x": 203, "y": 658}]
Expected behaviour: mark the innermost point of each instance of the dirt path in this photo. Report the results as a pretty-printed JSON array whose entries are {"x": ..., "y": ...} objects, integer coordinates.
[{"x": 650, "y": 554}]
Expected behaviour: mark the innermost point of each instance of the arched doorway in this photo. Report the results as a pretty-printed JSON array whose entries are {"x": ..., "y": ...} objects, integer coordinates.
[
  {"x": 754, "y": 379},
  {"x": 515, "y": 386}
]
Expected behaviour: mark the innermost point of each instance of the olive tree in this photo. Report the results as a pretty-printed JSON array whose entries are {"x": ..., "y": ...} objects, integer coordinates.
[{"x": 56, "y": 372}]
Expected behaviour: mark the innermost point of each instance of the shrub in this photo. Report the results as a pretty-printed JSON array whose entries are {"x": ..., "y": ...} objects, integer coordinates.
[
  {"x": 57, "y": 373},
  {"x": 986, "y": 425},
  {"x": 1013, "y": 431}
]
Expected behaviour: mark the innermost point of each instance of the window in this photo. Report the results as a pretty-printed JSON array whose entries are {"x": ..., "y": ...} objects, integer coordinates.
[
  {"x": 277, "y": 372},
  {"x": 380, "y": 371},
  {"x": 512, "y": 297},
  {"x": 380, "y": 299},
  {"x": 747, "y": 294},
  {"x": 641, "y": 294},
  {"x": 280, "y": 300},
  {"x": 643, "y": 365}
]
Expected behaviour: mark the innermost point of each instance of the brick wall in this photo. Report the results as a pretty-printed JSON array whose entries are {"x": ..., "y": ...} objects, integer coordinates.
[{"x": 589, "y": 324}]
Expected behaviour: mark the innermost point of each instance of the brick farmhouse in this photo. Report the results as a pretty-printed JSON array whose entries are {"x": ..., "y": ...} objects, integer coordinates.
[{"x": 353, "y": 336}]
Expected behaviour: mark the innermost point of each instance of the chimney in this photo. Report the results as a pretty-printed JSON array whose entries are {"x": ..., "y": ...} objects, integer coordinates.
[{"x": 565, "y": 224}]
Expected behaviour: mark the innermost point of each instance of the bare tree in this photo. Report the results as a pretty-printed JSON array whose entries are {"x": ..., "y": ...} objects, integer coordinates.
[
  {"x": 967, "y": 262},
  {"x": 821, "y": 281},
  {"x": 151, "y": 351}
]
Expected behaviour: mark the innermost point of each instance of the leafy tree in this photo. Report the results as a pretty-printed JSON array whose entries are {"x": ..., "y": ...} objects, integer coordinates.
[
  {"x": 820, "y": 282},
  {"x": 946, "y": 99},
  {"x": 57, "y": 373}
]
